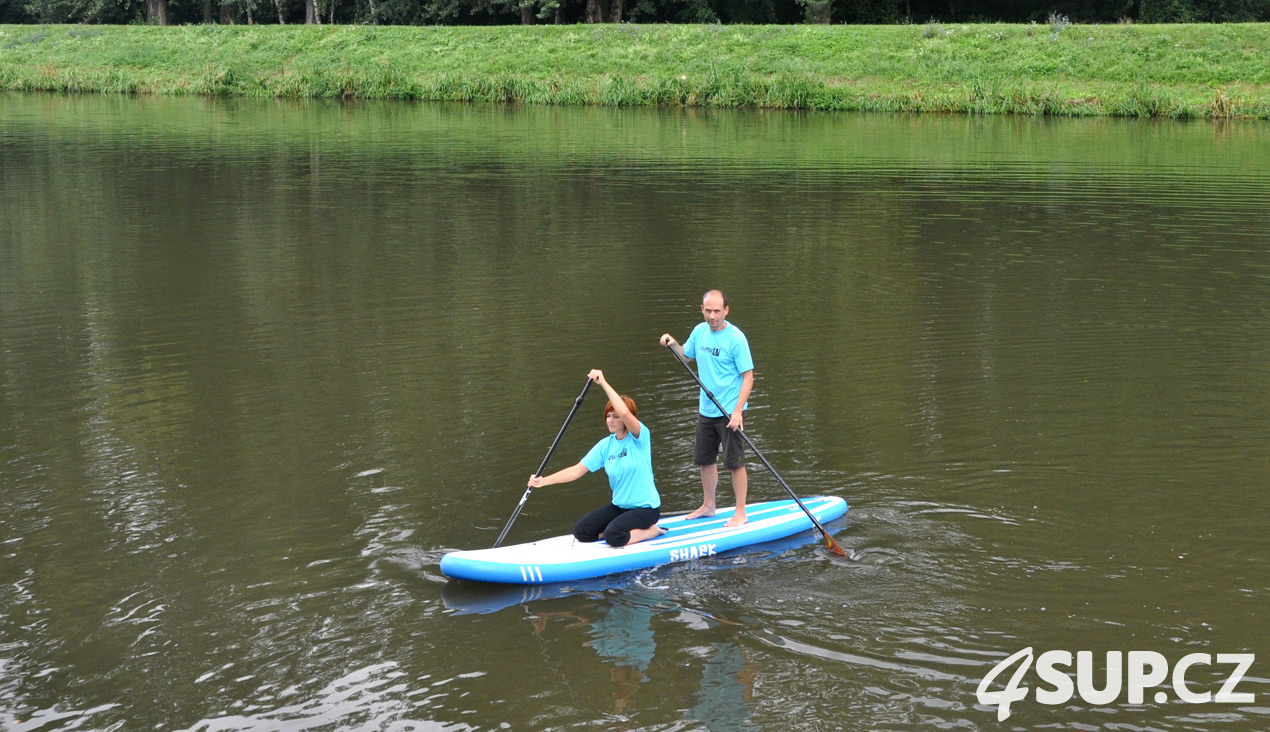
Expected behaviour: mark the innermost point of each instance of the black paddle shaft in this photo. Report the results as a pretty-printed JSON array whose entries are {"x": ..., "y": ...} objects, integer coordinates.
[
  {"x": 828, "y": 539},
  {"x": 576, "y": 403}
]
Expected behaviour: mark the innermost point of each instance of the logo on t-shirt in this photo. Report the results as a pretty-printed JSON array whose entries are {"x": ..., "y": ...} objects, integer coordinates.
[
  {"x": 712, "y": 351},
  {"x": 621, "y": 454}
]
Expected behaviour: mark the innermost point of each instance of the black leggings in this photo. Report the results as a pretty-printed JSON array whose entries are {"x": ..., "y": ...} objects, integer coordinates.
[{"x": 615, "y": 523}]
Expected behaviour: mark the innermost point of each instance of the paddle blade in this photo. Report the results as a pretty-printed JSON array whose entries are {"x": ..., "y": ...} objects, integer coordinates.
[{"x": 834, "y": 547}]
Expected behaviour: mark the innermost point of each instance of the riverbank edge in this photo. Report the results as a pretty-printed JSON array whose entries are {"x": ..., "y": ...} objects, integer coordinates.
[{"x": 1174, "y": 72}]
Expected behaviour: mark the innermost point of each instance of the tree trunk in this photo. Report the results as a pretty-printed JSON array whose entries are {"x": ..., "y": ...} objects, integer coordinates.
[
  {"x": 526, "y": 12},
  {"x": 311, "y": 14},
  {"x": 226, "y": 13},
  {"x": 282, "y": 19},
  {"x": 594, "y": 11},
  {"x": 207, "y": 12},
  {"x": 821, "y": 12},
  {"x": 616, "y": 10},
  {"x": 157, "y": 12}
]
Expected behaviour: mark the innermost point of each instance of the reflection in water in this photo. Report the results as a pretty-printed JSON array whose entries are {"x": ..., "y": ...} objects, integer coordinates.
[
  {"x": 624, "y": 634},
  {"x": 726, "y": 689},
  {"x": 263, "y": 363},
  {"x": 621, "y": 631}
]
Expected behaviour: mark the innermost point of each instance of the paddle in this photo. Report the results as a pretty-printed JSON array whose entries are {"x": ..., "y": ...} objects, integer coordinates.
[
  {"x": 829, "y": 542},
  {"x": 576, "y": 403}
]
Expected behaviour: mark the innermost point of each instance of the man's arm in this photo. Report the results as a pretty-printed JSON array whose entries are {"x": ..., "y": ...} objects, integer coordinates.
[{"x": 737, "y": 422}]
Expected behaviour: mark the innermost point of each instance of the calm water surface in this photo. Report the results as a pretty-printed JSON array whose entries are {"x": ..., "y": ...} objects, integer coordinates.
[{"x": 263, "y": 364}]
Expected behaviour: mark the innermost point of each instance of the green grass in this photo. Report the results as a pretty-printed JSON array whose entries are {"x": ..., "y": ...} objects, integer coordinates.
[{"x": 1174, "y": 71}]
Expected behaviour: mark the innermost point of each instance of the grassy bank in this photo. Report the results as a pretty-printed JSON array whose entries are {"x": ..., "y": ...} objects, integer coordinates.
[{"x": 1175, "y": 71}]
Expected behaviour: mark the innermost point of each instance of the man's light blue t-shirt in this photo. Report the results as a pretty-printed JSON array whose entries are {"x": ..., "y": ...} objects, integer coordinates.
[
  {"x": 629, "y": 464},
  {"x": 722, "y": 358}
]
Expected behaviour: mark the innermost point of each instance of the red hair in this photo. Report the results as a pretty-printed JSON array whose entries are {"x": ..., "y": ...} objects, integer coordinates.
[{"x": 630, "y": 404}]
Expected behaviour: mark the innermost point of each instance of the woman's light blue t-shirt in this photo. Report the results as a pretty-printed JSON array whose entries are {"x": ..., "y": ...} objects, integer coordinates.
[{"x": 629, "y": 464}]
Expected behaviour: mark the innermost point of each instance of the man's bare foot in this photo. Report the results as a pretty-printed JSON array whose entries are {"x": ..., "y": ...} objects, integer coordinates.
[
  {"x": 737, "y": 519},
  {"x": 703, "y": 512}
]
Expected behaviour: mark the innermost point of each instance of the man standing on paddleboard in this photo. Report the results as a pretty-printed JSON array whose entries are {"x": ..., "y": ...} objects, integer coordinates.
[{"x": 725, "y": 366}]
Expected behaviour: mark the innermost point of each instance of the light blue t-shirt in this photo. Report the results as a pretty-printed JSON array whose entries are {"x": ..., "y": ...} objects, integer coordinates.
[
  {"x": 629, "y": 464},
  {"x": 722, "y": 358}
]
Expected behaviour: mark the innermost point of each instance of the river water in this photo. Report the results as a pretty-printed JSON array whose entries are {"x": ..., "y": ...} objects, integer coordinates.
[{"x": 262, "y": 364}]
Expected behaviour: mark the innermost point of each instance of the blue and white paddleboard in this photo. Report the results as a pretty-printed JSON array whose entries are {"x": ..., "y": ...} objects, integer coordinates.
[{"x": 564, "y": 559}]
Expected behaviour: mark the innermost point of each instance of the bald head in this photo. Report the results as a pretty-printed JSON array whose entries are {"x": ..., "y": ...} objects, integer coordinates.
[{"x": 723, "y": 298}]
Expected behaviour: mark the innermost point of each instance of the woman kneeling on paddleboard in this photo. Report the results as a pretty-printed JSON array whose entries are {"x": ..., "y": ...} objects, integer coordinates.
[{"x": 627, "y": 457}]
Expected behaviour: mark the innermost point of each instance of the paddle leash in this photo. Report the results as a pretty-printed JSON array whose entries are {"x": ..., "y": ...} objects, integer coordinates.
[
  {"x": 576, "y": 403},
  {"x": 829, "y": 542}
]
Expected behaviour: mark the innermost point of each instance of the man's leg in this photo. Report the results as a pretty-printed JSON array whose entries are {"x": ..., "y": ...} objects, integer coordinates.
[
  {"x": 740, "y": 486},
  {"x": 709, "y": 482},
  {"x": 734, "y": 460},
  {"x": 706, "y": 455}
]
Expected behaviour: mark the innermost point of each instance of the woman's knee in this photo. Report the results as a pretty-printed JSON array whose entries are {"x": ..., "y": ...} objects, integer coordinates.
[
  {"x": 588, "y": 528},
  {"x": 617, "y": 537}
]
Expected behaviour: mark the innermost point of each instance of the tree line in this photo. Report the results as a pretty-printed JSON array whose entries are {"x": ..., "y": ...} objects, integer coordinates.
[{"x": 528, "y": 12}]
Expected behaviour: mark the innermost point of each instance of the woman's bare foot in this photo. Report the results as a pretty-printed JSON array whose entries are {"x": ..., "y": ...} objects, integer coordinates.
[{"x": 638, "y": 535}]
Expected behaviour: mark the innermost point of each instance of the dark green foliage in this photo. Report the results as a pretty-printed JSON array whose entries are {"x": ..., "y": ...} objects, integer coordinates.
[
  {"x": 76, "y": 11},
  {"x": 1202, "y": 11},
  {"x": 14, "y": 11},
  {"x": 1088, "y": 11}
]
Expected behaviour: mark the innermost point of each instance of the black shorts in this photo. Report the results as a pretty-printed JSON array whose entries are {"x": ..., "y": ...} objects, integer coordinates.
[{"x": 713, "y": 433}]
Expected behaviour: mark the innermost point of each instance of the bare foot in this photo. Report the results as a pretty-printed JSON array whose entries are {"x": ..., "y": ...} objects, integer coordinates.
[
  {"x": 737, "y": 519},
  {"x": 638, "y": 535},
  {"x": 703, "y": 512}
]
